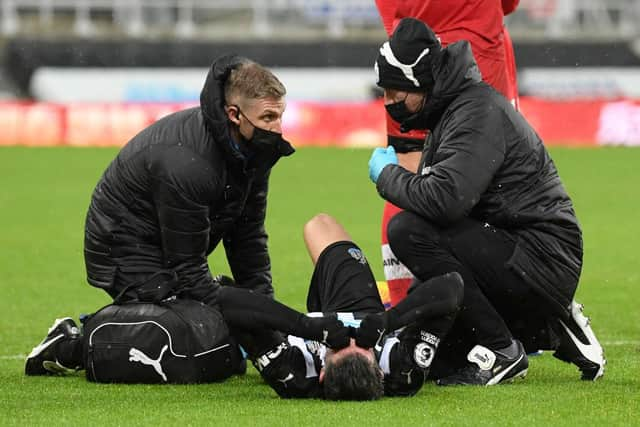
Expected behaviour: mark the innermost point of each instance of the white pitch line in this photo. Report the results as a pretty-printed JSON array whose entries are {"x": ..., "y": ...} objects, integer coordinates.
[
  {"x": 13, "y": 357},
  {"x": 621, "y": 342}
]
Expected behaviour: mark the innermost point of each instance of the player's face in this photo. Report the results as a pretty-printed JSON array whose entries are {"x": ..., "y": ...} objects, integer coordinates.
[
  {"x": 351, "y": 348},
  {"x": 334, "y": 356},
  {"x": 413, "y": 100},
  {"x": 263, "y": 113}
]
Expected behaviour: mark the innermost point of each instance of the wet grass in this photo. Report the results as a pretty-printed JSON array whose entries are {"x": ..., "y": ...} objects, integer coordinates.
[{"x": 44, "y": 193}]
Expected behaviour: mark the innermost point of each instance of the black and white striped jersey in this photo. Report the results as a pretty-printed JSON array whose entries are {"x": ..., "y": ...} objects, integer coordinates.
[{"x": 293, "y": 367}]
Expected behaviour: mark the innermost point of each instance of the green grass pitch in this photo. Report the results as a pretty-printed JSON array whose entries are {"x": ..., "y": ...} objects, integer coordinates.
[{"x": 44, "y": 193}]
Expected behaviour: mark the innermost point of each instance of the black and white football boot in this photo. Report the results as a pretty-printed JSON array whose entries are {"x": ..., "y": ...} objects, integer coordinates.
[
  {"x": 489, "y": 367},
  {"x": 42, "y": 360},
  {"x": 579, "y": 345}
]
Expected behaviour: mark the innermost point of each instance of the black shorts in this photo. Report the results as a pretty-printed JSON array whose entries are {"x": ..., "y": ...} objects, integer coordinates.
[{"x": 343, "y": 282}]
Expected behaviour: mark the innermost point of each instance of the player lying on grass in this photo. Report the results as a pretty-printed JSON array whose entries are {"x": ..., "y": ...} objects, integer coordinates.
[
  {"x": 486, "y": 202},
  {"x": 127, "y": 335},
  {"x": 389, "y": 353},
  {"x": 352, "y": 355},
  {"x": 66, "y": 348}
]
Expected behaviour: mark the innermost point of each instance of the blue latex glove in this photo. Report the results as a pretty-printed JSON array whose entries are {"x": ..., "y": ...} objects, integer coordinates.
[{"x": 380, "y": 158}]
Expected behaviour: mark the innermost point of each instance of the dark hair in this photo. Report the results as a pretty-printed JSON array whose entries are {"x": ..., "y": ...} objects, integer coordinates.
[{"x": 352, "y": 377}]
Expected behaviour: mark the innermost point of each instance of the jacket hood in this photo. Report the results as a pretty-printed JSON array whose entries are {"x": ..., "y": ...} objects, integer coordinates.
[
  {"x": 212, "y": 104},
  {"x": 454, "y": 70}
]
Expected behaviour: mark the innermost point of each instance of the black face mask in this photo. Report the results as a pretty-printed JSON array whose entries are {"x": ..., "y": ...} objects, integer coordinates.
[
  {"x": 398, "y": 111},
  {"x": 267, "y": 147},
  {"x": 264, "y": 148}
]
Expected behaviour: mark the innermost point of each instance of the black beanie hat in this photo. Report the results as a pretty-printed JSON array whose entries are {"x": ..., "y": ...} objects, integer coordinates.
[{"x": 404, "y": 62}]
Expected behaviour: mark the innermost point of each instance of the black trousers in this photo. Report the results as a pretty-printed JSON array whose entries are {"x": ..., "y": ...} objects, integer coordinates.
[{"x": 496, "y": 301}]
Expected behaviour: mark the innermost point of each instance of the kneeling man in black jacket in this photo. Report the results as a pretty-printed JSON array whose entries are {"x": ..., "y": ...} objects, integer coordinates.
[
  {"x": 182, "y": 185},
  {"x": 487, "y": 203}
]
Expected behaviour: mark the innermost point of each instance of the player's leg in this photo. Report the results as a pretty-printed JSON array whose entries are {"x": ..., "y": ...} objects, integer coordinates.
[
  {"x": 320, "y": 232},
  {"x": 59, "y": 353},
  {"x": 342, "y": 280},
  {"x": 398, "y": 276},
  {"x": 431, "y": 251},
  {"x": 408, "y": 146}
]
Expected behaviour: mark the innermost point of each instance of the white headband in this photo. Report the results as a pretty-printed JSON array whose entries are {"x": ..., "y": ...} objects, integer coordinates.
[{"x": 407, "y": 69}]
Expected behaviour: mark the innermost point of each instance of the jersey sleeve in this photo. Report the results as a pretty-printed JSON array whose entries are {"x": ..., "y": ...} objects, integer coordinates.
[
  {"x": 290, "y": 369},
  {"x": 388, "y": 11},
  {"x": 405, "y": 361}
]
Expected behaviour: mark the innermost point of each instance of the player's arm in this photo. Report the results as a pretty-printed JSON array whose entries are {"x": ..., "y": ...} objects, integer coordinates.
[
  {"x": 425, "y": 316},
  {"x": 509, "y": 6},
  {"x": 388, "y": 10},
  {"x": 250, "y": 311},
  {"x": 438, "y": 297},
  {"x": 282, "y": 365}
]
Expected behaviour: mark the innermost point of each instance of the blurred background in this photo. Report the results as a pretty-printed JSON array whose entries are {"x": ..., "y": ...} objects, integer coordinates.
[{"x": 94, "y": 72}]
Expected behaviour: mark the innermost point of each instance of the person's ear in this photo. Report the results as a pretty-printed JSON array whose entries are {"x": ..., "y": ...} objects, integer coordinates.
[{"x": 233, "y": 114}]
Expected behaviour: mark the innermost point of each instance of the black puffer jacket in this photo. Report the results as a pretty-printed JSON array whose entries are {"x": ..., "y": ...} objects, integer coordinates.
[
  {"x": 169, "y": 197},
  {"x": 483, "y": 160}
]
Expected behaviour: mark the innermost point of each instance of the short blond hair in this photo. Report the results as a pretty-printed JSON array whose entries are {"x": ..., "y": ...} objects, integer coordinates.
[{"x": 250, "y": 81}]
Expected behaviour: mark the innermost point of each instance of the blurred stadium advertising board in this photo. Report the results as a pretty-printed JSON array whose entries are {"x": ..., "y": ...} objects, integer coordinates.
[
  {"x": 348, "y": 124},
  {"x": 330, "y": 84},
  {"x": 61, "y": 84},
  {"x": 582, "y": 82}
]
